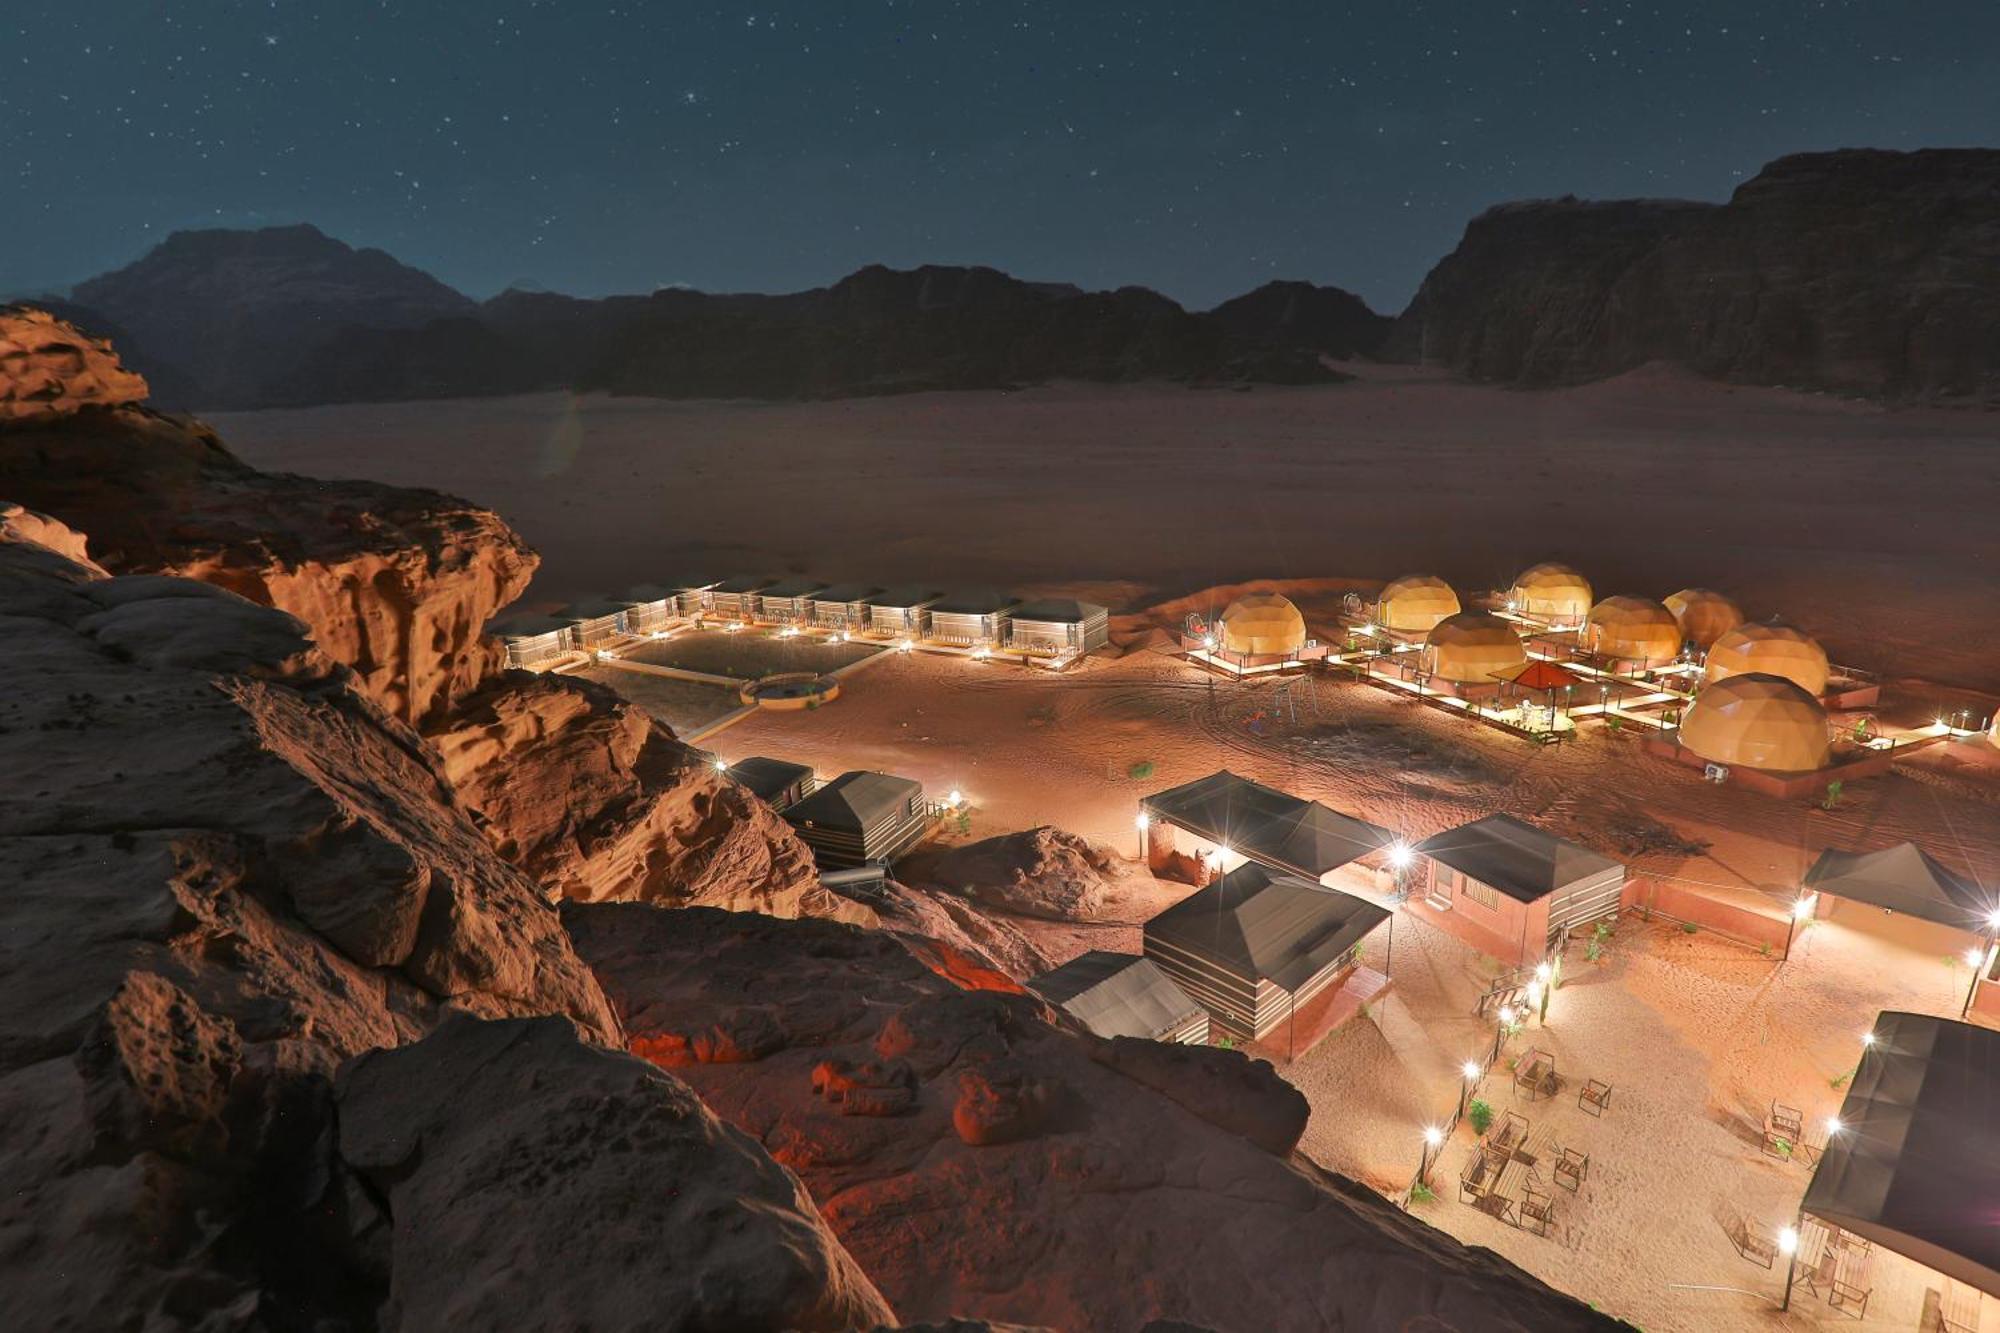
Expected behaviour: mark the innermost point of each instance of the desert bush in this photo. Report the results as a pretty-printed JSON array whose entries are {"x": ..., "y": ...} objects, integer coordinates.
[{"x": 1480, "y": 1113}]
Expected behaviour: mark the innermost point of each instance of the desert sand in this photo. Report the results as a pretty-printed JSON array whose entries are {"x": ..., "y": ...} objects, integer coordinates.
[{"x": 1871, "y": 527}]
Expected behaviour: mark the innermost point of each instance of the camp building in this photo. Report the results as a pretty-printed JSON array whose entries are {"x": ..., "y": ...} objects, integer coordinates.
[
  {"x": 1510, "y": 889},
  {"x": 861, "y": 817},
  {"x": 1058, "y": 626},
  {"x": 1124, "y": 995},
  {"x": 778, "y": 783}
]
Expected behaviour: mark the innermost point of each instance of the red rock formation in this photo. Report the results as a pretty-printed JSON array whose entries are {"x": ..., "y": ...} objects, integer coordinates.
[
  {"x": 50, "y": 370},
  {"x": 1034, "y": 1173},
  {"x": 488, "y": 1142},
  {"x": 1039, "y": 872}
]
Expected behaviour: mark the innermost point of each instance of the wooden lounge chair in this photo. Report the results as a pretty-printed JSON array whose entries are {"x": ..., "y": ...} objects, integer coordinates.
[
  {"x": 1594, "y": 1097},
  {"x": 1571, "y": 1168},
  {"x": 1513, "y": 1132},
  {"x": 1784, "y": 1128},
  {"x": 1537, "y": 1211},
  {"x": 1848, "y": 1299},
  {"x": 1958, "y": 1309},
  {"x": 1755, "y": 1246},
  {"x": 1475, "y": 1179}
]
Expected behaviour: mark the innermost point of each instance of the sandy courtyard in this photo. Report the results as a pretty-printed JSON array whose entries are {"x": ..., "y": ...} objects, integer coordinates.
[{"x": 1872, "y": 528}]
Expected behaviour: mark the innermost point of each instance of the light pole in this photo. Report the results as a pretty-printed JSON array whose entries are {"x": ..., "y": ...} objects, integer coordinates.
[
  {"x": 1981, "y": 960},
  {"x": 1143, "y": 822},
  {"x": 1471, "y": 1071}
]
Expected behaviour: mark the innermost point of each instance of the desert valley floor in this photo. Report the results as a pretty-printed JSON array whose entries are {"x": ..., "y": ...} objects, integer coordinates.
[{"x": 1872, "y": 528}]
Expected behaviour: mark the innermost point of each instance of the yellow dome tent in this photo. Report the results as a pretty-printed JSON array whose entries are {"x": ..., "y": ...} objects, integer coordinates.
[
  {"x": 1263, "y": 624},
  {"x": 1473, "y": 647},
  {"x": 1415, "y": 603},
  {"x": 1704, "y": 615},
  {"x": 1758, "y": 721},
  {"x": 1633, "y": 629},
  {"x": 1551, "y": 592},
  {"x": 1773, "y": 648}
]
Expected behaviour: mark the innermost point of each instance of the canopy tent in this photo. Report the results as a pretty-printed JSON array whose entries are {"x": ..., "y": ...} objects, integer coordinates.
[
  {"x": 1915, "y": 1166},
  {"x": 1542, "y": 677},
  {"x": 1123, "y": 995},
  {"x": 1414, "y": 603},
  {"x": 777, "y": 782},
  {"x": 1704, "y": 614},
  {"x": 1518, "y": 859},
  {"x": 861, "y": 817},
  {"x": 1635, "y": 629},
  {"x": 1267, "y": 825},
  {"x": 1263, "y": 624},
  {"x": 1907, "y": 879},
  {"x": 1473, "y": 648},
  {"x": 1774, "y": 648},
  {"x": 1758, "y": 721}
]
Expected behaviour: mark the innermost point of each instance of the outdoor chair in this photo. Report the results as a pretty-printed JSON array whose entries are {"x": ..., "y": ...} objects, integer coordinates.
[
  {"x": 1848, "y": 1299},
  {"x": 1571, "y": 1167},
  {"x": 1755, "y": 1246},
  {"x": 1595, "y": 1096},
  {"x": 1474, "y": 1180},
  {"x": 1958, "y": 1310},
  {"x": 1537, "y": 1211},
  {"x": 1783, "y": 1130},
  {"x": 1513, "y": 1132}
]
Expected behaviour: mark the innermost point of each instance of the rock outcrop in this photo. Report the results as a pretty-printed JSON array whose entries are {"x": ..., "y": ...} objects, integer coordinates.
[
  {"x": 976, "y": 1156},
  {"x": 596, "y": 800},
  {"x": 397, "y": 584},
  {"x": 512, "y": 1177},
  {"x": 1299, "y": 314},
  {"x": 1039, "y": 872},
  {"x": 223, "y": 870},
  {"x": 1860, "y": 272},
  {"x": 50, "y": 370}
]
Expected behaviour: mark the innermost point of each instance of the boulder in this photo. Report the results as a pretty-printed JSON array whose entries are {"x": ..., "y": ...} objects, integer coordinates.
[
  {"x": 50, "y": 369},
  {"x": 1029, "y": 1179},
  {"x": 531, "y": 1181},
  {"x": 1228, "y": 1089},
  {"x": 1040, "y": 872}
]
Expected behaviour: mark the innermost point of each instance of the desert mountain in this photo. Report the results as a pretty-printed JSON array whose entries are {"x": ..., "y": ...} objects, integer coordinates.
[
  {"x": 295, "y": 1037},
  {"x": 1861, "y": 272},
  {"x": 288, "y": 315}
]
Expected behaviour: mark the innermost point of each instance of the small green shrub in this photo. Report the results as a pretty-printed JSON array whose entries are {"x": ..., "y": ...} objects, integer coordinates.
[
  {"x": 1593, "y": 951},
  {"x": 1689, "y": 927},
  {"x": 1765, "y": 948},
  {"x": 1422, "y": 1193},
  {"x": 965, "y": 821},
  {"x": 1839, "y": 1081},
  {"x": 1225, "y": 1042},
  {"x": 1833, "y": 790},
  {"x": 1784, "y": 1147},
  {"x": 1142, "y": 769},
  {"x": 1480, "y": 1113}
]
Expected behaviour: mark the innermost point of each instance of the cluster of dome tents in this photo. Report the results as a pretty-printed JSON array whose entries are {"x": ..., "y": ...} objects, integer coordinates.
[{"x": 1758, "y": 705}]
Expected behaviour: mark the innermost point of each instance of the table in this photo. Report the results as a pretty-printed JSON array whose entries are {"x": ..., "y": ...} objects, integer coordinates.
[{"x": 1505, "y": 1192}]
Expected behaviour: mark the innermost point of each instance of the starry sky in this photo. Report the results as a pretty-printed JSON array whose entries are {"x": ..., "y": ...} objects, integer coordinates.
[{"x": 1199, "y": 148}]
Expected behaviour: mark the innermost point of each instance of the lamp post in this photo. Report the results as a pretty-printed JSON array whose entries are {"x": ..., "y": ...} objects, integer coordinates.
[
  {"x": 1142, "y": 823},
  {"x": 1788, "y": 1245},
  {"x": 1982, "y": 961},
  {"x": 1800, "y": 911},
  {"x": 1471, "y": 1071}
]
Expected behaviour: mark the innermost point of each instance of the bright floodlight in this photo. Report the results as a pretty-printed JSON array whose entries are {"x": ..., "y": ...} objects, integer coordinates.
[
  {"x": 1506, "y": 1013},
  {"x": 1993, "y": 918},
  {"x": 1801, "y": 907},
  {"x": 1143, "y": 821},
  {"x": 955, "y": 798},
  {"x": 1788, "y": 1240},
  {"x": 1400, "y": 855},
  {"x": 722, "y": 766},
  {"x": 1433, "y": 1135},
  {"x": 1832, "y": 1125},
  {"x": 1867, "y": 1039},
  {"x": 1972, "y": 957},
  {"x": 1542, "y": 972},
  {"x": 1208, "y": 642},
  {"x": 1471, "y": 1070},
  {"x": 1534, "y": 993}
]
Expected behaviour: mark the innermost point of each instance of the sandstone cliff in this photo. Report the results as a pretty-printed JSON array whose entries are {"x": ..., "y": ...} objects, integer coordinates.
[
  {"x": 975, "y": 1154},
  {"x": 50, "y": 370},
  {"x": 1862, "y": 272}
]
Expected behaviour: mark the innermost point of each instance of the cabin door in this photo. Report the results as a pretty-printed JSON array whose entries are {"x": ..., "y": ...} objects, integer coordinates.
[{"x": 1440, "y": 895}]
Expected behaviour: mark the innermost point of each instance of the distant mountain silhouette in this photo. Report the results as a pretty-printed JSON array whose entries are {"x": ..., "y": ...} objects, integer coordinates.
[
  {"x": 1860, "y": 272},
  {"x": 288, "y": 316}
]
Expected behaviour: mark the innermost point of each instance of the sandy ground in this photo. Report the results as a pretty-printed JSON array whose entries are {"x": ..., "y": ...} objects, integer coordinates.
[
  {"x": 684, "y": 705},
  {"x": 1872, "y": 528}
]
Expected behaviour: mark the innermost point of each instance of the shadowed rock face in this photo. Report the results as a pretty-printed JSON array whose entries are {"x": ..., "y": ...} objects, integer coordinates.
[
  {"x": 488, "y": 1143},
  {"x": 1038, "y": 872},
  {"x": 974, "y": 1154},
  {"x": 222, "y": 871},
  {"x": 1863, "y": 272}
]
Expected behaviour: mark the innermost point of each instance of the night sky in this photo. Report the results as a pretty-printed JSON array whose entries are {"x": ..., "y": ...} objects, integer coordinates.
[{"x": 1198, "y": 148}]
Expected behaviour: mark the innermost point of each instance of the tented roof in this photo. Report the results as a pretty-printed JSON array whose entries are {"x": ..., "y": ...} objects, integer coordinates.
[
  {"x": 1059, "y": 611},
  {"x": 766, "y": 778},
  {"x": 1905, "y": 879},
  {"x": 1758, "y": 721},
  {"x": 1544, "y": 675},
  {"x": 526, "y": 624},
  {"x": 848, "y": 592},
  {"x": 590, "y": 608},
  {"x": 743, "y": 583},
  {"x": 1267, "y": 926},
  {"x": 1552, "y": 590},
  {"x": 1915, "y": 1167},
  {"x": 1118, "y": 995},
  {"x": 973, "y": 602},
  {"x": 1513, "y": 856},
  {"x": 906, "y": 596},
  {"x": 792, "y": 587},
  {"x": 1263, "y": 624},
  {"x": 1266, "y": 824},
  {"x": 694, "y": 583},
  {"x": 855, "y": 800}
]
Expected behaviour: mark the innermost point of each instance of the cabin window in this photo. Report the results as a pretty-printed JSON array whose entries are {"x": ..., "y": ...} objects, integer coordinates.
[{"x": 1482, "y": 894}]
